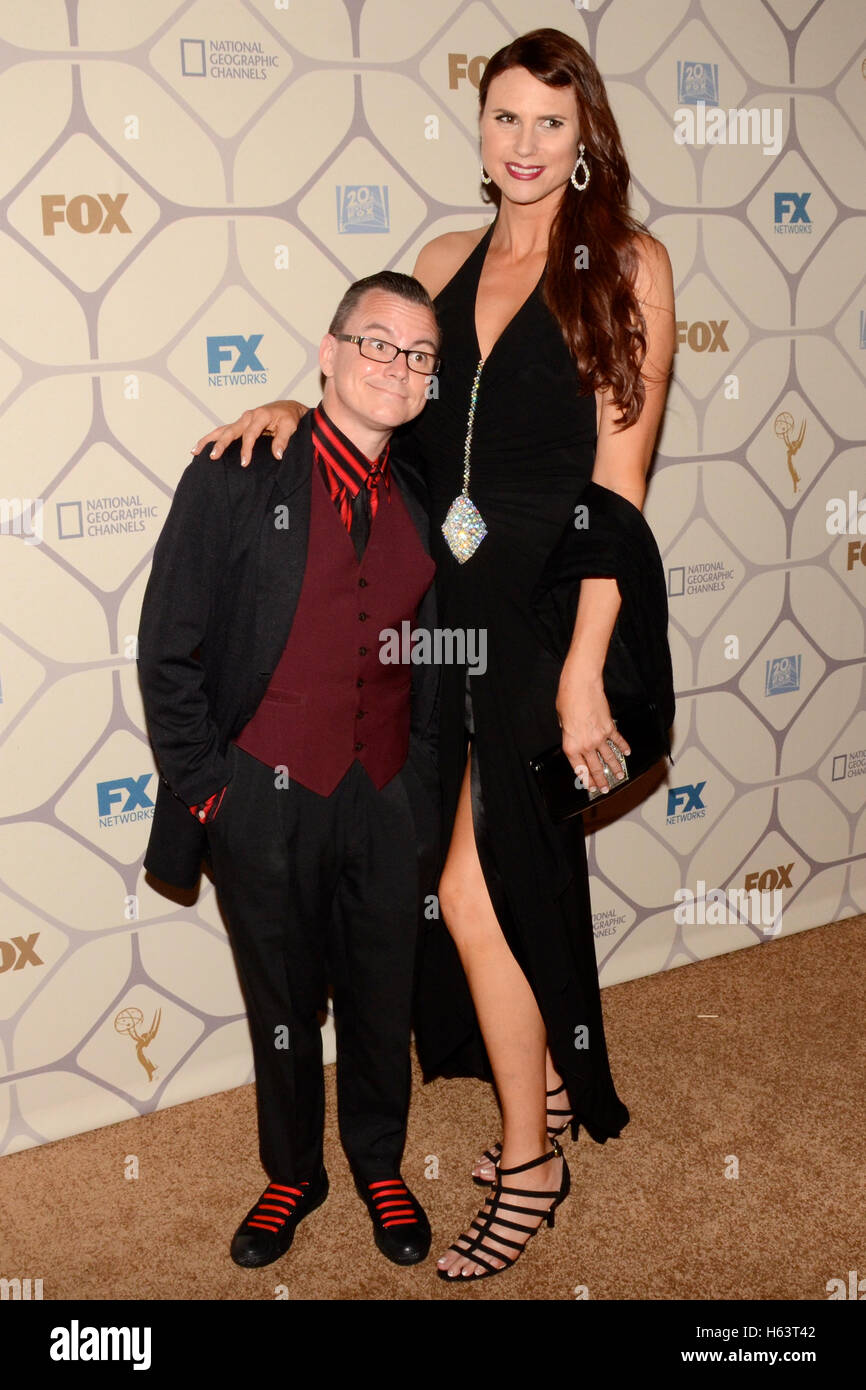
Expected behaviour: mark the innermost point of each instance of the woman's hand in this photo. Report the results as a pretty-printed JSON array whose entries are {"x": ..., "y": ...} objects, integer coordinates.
[
  {"x": 279, "y": 418},
  {"x": 586, "y": 723}
]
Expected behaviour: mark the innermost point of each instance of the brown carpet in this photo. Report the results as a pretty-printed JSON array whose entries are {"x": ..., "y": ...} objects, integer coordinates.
[{"x": 777, "y": 1080}]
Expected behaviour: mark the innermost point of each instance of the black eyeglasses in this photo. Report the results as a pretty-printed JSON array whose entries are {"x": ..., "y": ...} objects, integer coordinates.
[{"x": 426, "y": 363}]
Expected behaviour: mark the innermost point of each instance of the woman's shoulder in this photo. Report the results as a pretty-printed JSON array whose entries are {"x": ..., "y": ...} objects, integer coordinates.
[
  {"x": 653, "y": 273},
  {"x": 441, "y": 258}
]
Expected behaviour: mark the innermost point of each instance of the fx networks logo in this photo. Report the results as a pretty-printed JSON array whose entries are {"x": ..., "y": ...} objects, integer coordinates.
[
  {"x": 240, "y": 355},
  {"x": 782, "y": 674},
  {"x": 789, "y": 212},
  {"x": 702, "y": 337},
  {"x": 124, "y": 799},
  {"x": 85, "y": 213},
  {"x": 363, "y": 207},
  {"x": 686, "y": 803},
  {"x": 461, "y": 67},
  {"x": 235, "y": 59}
]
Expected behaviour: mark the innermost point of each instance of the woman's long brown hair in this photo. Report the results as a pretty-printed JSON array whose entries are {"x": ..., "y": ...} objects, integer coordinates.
[{"x": 596, "y": 308}]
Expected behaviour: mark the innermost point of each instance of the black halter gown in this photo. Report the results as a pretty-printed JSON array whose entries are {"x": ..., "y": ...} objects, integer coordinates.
[{"x": 532, "y": 451}]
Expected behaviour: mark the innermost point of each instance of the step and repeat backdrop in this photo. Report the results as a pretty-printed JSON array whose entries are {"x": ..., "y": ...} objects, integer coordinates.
[{"x": 185, "y": 191}]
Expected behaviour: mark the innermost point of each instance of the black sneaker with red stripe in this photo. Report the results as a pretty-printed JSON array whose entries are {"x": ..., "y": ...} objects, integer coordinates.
[
  {"x": 268, "y": 1229},
  {"x": 400, "y": 1226}
]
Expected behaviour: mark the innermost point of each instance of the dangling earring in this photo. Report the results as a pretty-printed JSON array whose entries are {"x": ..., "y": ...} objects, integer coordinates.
[
  {"x": 485, "y": 177},
  {"x": 580, "y": 161}
]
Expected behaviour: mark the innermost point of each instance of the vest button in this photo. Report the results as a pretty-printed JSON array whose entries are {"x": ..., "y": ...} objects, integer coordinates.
[
  {"x": 358, "y": 747},
  {"x": 362, "y": 583},
  {"x": 361, "y": 713},
  {"x": 359, "y": 682},
  {"x": 362, "y": 651},
  {"x": 362, "y": 617}
]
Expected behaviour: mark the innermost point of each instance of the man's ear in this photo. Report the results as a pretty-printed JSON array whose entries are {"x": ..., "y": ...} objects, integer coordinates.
[{"x": 327, "y": 348}]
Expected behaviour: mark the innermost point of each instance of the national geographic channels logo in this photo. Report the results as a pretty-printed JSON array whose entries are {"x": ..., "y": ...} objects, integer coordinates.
[
  {"x": 607, "y": 923},
  {"x": 851, "y": 764},
  {"x": 122, "y": 514},
  {"x": 234, "y": 60},
  {"x": 703, "y": 577}
]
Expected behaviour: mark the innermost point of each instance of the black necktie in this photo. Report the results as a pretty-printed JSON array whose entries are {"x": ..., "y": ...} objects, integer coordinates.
[{"x": 360, "y": 520}]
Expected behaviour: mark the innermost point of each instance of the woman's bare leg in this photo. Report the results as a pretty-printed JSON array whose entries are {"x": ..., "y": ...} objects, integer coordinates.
[
  {"x": 512, "y": 1026},
  {"x": 487, "y": 1170}
]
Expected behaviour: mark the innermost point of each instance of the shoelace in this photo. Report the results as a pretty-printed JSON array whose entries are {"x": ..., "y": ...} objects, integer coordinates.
[
  {"x": 393, "y": 1202},
  {"x": 275, "y": 1206}
]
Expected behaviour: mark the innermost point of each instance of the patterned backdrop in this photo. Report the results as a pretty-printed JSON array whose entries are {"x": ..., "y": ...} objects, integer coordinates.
[{"x": 186, "y": 188}]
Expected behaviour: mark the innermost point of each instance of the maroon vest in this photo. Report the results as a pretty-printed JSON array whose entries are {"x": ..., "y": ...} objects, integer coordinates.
[{"x": 330, "y": 699}]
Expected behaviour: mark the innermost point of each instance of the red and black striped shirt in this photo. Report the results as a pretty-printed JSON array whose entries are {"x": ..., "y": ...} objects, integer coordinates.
[{"x": 345, "y": 469}]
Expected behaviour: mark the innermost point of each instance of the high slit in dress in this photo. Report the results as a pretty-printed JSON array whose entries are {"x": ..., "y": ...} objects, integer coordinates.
[{"x": 533, "y": 449}]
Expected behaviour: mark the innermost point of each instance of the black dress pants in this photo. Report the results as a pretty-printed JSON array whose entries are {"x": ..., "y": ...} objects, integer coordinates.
[{"x": 318, "y": 888}]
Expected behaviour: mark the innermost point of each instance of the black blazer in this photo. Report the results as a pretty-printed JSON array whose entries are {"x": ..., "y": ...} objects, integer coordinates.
[{"x": 217, "y": 612}]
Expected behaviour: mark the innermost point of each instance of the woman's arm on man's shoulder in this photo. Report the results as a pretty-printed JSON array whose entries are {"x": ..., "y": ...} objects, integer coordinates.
[
  {"x": 279, "y": 418},
  {"x": 437, "y": 263}
]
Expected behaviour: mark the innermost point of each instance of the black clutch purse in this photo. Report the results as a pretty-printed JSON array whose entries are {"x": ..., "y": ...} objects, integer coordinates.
[{"x": 642, "y": 728}]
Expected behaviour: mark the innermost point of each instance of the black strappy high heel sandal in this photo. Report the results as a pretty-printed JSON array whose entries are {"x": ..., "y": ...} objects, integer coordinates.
[
  {"x": 494, "y": 1154},
  {"x": 489, "y": 1216}
]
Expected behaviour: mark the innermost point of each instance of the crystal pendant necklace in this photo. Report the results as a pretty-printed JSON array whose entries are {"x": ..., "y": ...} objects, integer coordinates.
[{"x": 463, "y": 527}]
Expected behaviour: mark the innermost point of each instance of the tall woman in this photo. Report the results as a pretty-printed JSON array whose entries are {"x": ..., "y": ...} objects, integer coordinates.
[{"x": 557, "y": 343}]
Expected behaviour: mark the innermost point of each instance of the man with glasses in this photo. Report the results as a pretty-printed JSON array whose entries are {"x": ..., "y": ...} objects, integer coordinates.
[{"x": 301, "y": 765}]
